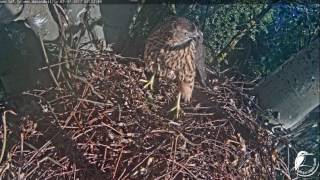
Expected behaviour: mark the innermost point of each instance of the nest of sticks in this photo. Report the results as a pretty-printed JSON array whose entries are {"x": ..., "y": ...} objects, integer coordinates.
[{"x": 101, "y": 124}]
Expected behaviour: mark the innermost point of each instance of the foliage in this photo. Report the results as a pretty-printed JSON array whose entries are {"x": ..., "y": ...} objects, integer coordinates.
[
  {"x": 282, "y": 31},
  {"x": 289, "y": 28}
]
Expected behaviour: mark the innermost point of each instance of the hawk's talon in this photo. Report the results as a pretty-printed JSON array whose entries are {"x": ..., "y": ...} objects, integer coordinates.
[
  {"x": 177, "y": 108},
  {"x": 148, "y": 83}
]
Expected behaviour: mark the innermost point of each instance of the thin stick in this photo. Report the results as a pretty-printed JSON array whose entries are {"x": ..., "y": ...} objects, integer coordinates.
[
  {"x": 21, "y": 154},
  {"x": 47, "y": 61},
  {"x": 83, "y": 79},
  {"x": 183, "y": 167},
  {"x": 199, "y": 114},
  {"x": 115, "y": 171},
  {"x": 95, "y": 102},
  {"x": 4, "y": 121}
]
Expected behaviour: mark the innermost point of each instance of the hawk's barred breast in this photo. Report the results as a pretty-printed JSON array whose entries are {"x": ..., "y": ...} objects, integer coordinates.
[{"x": 171, "y": 50}]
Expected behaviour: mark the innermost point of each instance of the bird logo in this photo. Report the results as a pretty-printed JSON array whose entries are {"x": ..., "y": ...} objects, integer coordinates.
[
  {"x": 300, "y": 159},
  {"x": 300, "y": 166}
]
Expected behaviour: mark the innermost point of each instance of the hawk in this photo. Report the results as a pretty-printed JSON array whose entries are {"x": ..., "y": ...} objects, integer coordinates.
[{"x": 175, "y": 50}]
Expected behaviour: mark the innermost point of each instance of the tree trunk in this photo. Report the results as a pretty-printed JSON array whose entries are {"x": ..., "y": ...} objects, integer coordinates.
[{"x": 293, "y": 89}]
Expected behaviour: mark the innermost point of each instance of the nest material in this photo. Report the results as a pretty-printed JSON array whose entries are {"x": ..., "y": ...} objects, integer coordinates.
[{"x": 102, "y": 124}]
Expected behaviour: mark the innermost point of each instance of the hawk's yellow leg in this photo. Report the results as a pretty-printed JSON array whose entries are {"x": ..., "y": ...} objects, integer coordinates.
[
  {"x": 149, "y": 83},
  {"x": 177, "y": 108}
]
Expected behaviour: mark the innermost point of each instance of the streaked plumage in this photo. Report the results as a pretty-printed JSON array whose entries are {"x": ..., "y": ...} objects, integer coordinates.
[{"x": 173, "y": 51}]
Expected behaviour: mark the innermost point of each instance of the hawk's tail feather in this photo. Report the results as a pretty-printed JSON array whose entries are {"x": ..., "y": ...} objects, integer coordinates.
[{"x": 186, "y": 89}]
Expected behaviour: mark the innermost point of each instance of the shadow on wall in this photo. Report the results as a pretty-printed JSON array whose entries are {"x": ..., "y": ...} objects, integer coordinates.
[
  {"x": 116, "y": 20},
  {"x": 20, "y": 58}
]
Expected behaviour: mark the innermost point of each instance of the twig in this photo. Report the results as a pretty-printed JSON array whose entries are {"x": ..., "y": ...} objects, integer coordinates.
[
  {"x": 21, "y": 154},
  {"x": 124, "y": 57},
  {"x": 95, "y": 102},
  {"x": 115, "y": 171},
  {"x": 199, "y": 114},
  {"x": 47, "y": 62},
  {"x": 89, "y": 84},
  {"x": 4, "y": 143},
  {"x": 176, "y": 134},
  {"x": 53, "y": 65},
  {"x": 151, "y": 153},
  {"x": 38, "y": 151},
  {"x": 183, "y": 167},
  {"x": 284, "y": 173},
  {"x": 118, "y": 132}
]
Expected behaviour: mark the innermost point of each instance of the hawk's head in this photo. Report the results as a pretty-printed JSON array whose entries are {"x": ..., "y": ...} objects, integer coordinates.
[{"x": 183, "y": 31}]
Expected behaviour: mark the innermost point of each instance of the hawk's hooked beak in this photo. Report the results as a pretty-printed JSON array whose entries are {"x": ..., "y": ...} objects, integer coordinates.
[
  {"x": 196, "y": 35},
  {"x": 190, "y": 37}
]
